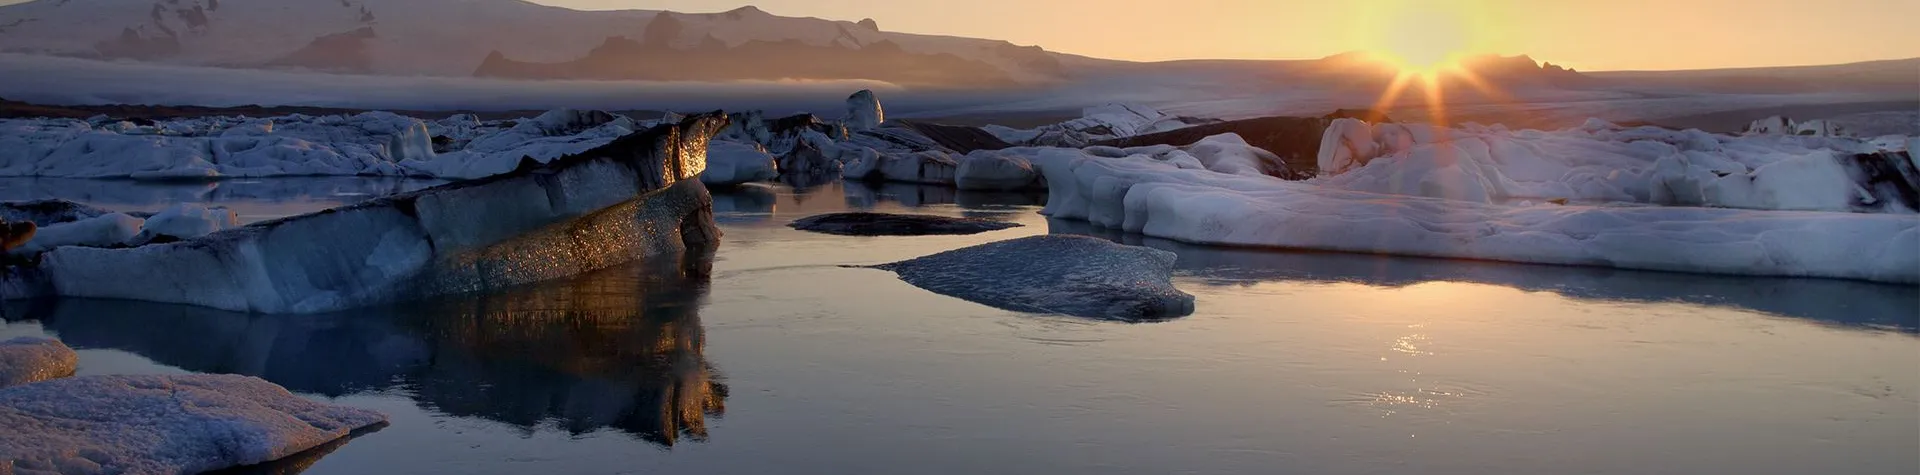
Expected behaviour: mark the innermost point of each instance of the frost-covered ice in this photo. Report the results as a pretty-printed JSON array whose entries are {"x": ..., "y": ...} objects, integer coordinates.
[
  {"x": 162, "y": 424},
  {"x": 1161, "y": 199},
  {"x": 629, "y": 199},
  {"x": 28, "y": 359},
  {"x": 1602, "y": 162},
  {"x": 1072, "y": 275}
]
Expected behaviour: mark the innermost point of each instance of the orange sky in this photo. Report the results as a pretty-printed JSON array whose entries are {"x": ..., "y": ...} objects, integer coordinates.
[{"x": 1590, "y": 35}]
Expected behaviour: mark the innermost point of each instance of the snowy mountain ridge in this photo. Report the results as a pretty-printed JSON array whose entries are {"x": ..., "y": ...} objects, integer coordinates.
[{"x": 455, "y": 37}]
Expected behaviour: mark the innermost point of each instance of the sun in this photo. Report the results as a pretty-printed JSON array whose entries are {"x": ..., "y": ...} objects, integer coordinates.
[
  {"x": 1421, "y": 37},
  {"x": 1426, "y": 40}
]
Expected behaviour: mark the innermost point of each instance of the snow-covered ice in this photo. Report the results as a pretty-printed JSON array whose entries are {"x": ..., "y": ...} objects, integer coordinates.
[
  {"x": 1160, "y": 199},
  {"x": 28, "y": 359},
  {"x": 162, "y": 424},
  {"x": 1072, "y": 275}
]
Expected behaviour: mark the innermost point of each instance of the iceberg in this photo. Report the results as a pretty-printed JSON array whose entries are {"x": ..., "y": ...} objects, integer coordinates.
[
  {"x": 1070, "y": 275},
  {"x": 27, "y": 359},
  {"x": 365, "y": 144},
  {"x": 162, "y": 424},
  {"x": 864, "y": 112},
  {"x": 734, "y": 163},
  {"x": 1160, "y": 199},
  {"x": 1603, "y": 162},
  {"x": 1104, "y": 122},
  {"x": 629, "y": 199}
]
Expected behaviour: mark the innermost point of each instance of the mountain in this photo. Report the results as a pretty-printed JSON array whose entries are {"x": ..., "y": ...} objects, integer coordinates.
[{"x": 508, "y": 38}]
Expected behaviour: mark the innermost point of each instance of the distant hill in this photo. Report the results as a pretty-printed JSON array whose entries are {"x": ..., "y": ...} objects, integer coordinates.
[
  {"x": 509, "y": 38},
  {"x": 1895, "y": 75}
]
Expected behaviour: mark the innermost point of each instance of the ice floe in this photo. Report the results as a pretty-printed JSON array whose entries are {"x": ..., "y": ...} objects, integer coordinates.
[
  {"x": 1071, "y": 275},
  {"x": 162, "y": 424}
]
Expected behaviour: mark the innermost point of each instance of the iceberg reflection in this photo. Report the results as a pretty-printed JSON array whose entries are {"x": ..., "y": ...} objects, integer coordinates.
[
  {"x": 621, "y": 348},
  {"x": 1834, "y": 302}
]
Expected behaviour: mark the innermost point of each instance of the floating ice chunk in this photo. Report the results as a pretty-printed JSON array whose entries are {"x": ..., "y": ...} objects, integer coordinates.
[
  {"x": 733, "y": 163},
  {"x": 990, "y": 170},
  {"x": 27, "y": 359},
  {"x": 929, "y": 167},
  {"x": 162, "y": 424},
  {"x": 105, "y": 230},
  {"x": 1161, "y": 200},
  {"x": 1072, "y": 275},
  {"x": 627, "y": 200},
  {"x": 185, "y": 221}
]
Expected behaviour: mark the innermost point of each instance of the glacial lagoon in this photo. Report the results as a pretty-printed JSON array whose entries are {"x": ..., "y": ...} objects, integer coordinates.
[{"x": 786, "y": 361}]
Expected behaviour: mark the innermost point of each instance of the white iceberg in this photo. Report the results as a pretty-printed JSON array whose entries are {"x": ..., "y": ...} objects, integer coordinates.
[
  {"x": 733, "y": 163},
  {"x": 864, "y": 112},
  {"x": 1104, "y": 122},
  {"x": 162, "y": 424},
  {"x": 27, "y": 359},
  {"x": 1160, "y": 199},
  {"x": 72, "y": 224}
]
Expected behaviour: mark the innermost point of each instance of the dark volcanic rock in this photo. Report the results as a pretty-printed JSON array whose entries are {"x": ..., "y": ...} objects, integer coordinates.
[
  {"x": 1889, "y": 178},
  {"x": 345, "y": 52},
  {"x": 1071, "y": 275},
  {"x": 960, "y": 139},
  {"x": 884, "y": 224}
]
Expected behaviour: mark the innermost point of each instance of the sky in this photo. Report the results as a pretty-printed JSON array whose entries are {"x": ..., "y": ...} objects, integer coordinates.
[
  {"x": 1589, "y": 35},
  {"x": 1584, "y": 34}
]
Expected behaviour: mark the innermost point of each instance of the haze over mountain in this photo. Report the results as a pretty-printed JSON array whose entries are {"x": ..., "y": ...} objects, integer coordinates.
[{"x": 510, "y": 38}]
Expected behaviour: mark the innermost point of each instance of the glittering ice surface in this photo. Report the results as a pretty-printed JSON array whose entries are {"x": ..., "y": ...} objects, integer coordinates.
[{"x": 628, "y": 199}]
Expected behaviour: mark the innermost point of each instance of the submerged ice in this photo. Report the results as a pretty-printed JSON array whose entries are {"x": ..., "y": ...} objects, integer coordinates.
[{"x": 1071, "y": 275}]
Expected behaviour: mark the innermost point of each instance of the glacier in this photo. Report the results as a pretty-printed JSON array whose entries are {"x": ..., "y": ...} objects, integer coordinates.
[
  {"x": 633, "y": 197},
  {"x": 163, "y": 424}
]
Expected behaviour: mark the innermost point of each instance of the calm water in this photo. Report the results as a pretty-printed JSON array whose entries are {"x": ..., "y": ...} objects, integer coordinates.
[{"x": 784, "y": 362}]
